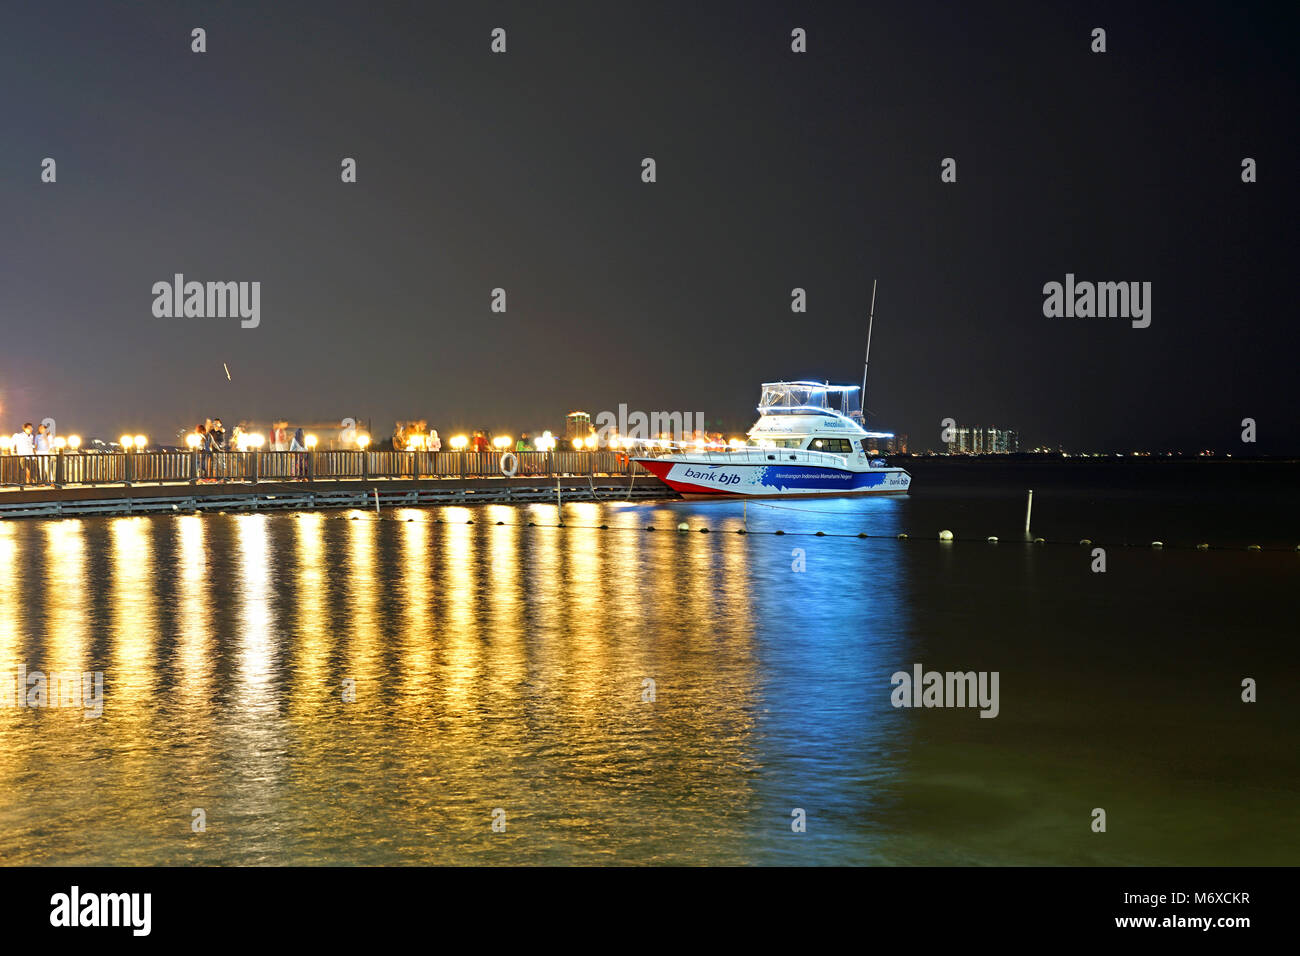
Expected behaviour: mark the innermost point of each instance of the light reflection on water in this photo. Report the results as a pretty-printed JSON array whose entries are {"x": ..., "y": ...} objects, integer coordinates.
[{"x": 502, "y": 666}]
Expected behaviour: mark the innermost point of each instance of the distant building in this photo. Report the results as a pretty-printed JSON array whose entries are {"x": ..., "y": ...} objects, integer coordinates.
[
  {"x": 985, "y": 441},
  {"x": 888, "y": 446},
  {"x": 576, "y": 425}
]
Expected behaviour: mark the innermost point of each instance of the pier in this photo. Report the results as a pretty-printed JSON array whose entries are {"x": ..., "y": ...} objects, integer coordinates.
[{"x": 116, "y": 483}]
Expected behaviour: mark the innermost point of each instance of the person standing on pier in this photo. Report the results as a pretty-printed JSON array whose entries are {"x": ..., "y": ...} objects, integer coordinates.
[
  {"x": 217, "y": 436},
  {"x": 43, "y": 465},
  {"x": 435, "y": 443},
  {"x": 299, "y": 444},
  {"x": 201, "y": 446},
  {"x": 25, "y": 444},
  {"x": 205, "y": 450}
]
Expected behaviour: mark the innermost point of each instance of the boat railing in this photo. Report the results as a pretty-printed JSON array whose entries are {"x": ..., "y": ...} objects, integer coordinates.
[{"x": 747, "y": 454}]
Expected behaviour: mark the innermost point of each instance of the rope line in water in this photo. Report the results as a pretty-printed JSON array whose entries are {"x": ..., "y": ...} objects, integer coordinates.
[{"x": 860, "y": 535}]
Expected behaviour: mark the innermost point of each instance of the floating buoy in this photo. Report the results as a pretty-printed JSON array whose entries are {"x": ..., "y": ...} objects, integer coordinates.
[
  {"x": 945, "y": 535},
  {"x": 902, "y": 537},
  {"x": 500, "y": 522},
  {"x": 862, "y": 534},
  {"x": 704, "y": 531},
  {"x": 1040, "y": 541},
  {"x": 649, "y": 527},
  {"x": 741, "y": 531},
  {"x": 821, "y": 534},
  {"x": 1085, "y": 541},
  {"x": 531, "y": 525},
  {"x": 683, "y": 527},
  {"x": 1252, "y": 547},
  {"x": 993, "y": 540},
  {"x": 1202, "y": 547},
  {"x": 1157, "y": 544},
  {"x": 409, "y": 520},
  {"x": 470, "y": 521},
  {"x": 778, "y": 532}
]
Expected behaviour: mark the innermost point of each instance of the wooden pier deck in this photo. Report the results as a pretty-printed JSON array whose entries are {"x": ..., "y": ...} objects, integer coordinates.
[{"x": 116, "y": 484}]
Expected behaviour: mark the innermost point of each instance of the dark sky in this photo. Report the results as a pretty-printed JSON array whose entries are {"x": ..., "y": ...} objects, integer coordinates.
[{"x": 775, "y": 170}]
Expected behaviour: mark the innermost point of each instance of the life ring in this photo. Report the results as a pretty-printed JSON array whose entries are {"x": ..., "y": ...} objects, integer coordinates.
[{"x": 509, "y": 464}]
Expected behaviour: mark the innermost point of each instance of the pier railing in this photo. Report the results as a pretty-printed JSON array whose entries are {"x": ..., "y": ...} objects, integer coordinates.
[{"x": 257, "y": 467}]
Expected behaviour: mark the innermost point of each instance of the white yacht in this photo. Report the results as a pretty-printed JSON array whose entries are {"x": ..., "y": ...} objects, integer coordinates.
[{"x": 808, "y": 441}]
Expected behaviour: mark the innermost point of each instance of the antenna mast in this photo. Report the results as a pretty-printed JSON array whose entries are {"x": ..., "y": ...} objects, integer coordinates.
[{"x": 867, "y": 361}]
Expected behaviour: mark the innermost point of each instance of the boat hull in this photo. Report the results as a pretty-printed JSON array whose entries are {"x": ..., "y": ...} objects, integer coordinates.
[{"x": 721, "y": 480}]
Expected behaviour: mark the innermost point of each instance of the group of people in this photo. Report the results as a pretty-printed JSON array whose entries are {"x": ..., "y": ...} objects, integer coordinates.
[
  {"x": 482, "y": 441},
  {"x": 35, "y": 441},
  {"x": 212, "y": 441}
]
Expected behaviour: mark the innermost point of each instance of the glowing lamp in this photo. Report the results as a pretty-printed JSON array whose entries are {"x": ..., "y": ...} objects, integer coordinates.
[
  {"x": 311, "y": 441},
  {"x": 125, "y": 442},
  {"x": 74, "y": 442},
  {"x": 363, "y": 440},
  {"x": 140, "y": 442},
  {"x": 459, "y": 442}
]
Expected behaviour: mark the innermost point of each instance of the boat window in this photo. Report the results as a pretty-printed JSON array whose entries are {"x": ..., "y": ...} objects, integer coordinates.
[{"x": 839, "y": 446}]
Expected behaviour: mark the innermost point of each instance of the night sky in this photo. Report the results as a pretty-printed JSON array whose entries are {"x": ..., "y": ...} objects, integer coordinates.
[{"x": 776, "y": 170}]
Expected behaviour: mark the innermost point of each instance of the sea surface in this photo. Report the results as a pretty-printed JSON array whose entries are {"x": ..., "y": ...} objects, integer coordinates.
[{"x": 474, "y": 685}]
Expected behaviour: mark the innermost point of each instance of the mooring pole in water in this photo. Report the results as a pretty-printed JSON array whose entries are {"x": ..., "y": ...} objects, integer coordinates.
[
  {"x": 376, "y": 500},
  {"x": 559, "y": 505},
  {"x": 745, "y": 517},
  {"x": 1029, "y": 507}
]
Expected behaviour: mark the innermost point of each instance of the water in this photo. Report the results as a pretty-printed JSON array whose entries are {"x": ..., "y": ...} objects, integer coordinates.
[{"x": 503, "y": 666}]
